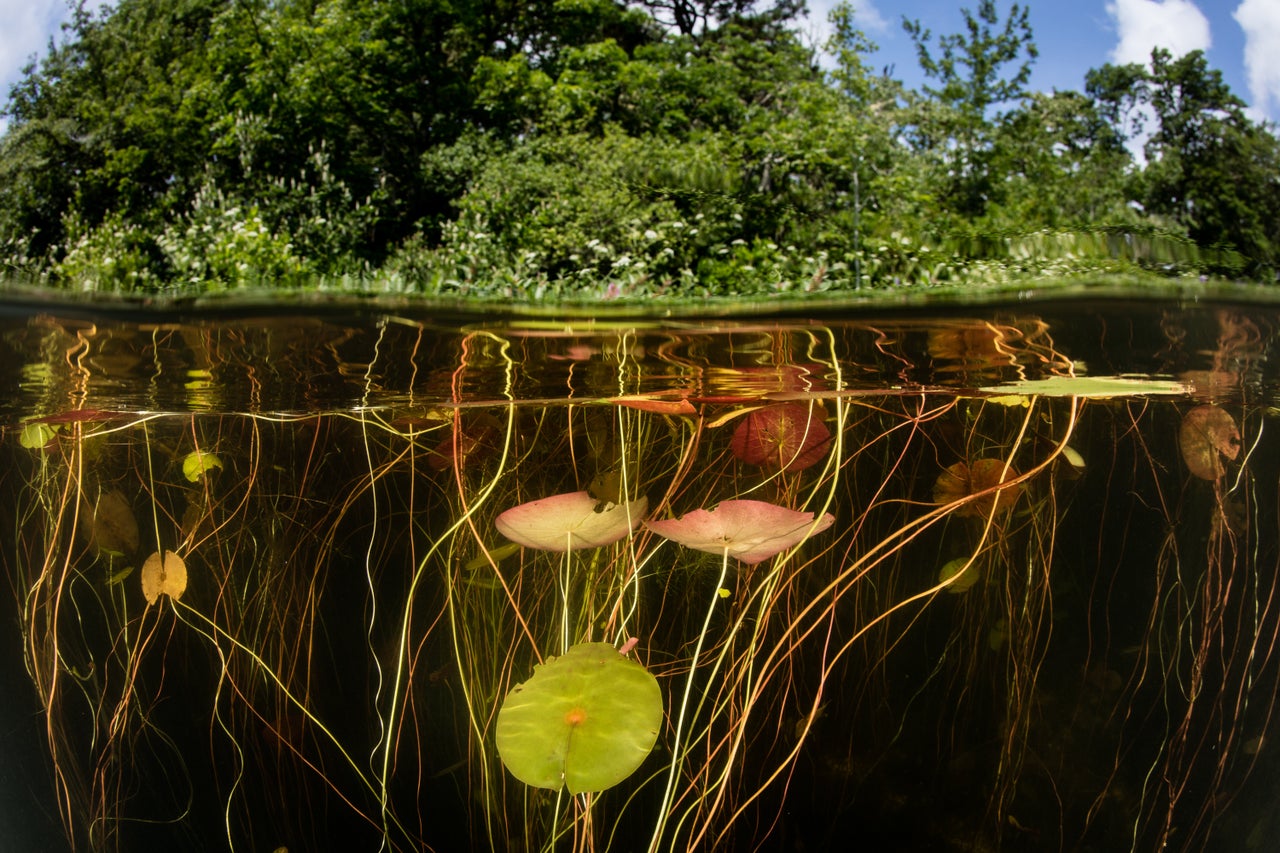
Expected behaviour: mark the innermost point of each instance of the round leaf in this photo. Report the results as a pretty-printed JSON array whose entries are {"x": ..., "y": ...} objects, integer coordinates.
[
  {"x": 197, "y": 463},
  {"x": 163, "y": 576},
  {"x": 585, "y": 720}
]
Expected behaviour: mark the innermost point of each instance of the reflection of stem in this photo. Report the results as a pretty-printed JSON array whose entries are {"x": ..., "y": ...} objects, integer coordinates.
[{"x": 677, "y": 758}]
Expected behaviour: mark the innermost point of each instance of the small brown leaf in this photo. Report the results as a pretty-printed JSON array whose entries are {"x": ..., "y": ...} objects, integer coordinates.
[
  {"x": 167, "y": 576},
  {"x": 1206, "y": 432}
]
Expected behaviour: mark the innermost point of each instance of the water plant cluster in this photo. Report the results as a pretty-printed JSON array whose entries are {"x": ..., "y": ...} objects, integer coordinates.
[{"x": 669, "y": 589}]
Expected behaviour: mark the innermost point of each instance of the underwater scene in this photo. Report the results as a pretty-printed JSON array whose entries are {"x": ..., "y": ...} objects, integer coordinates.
[{"x": 991, "y": 578}]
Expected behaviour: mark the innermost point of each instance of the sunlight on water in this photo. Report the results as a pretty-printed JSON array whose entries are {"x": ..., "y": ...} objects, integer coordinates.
[{"x": 994, "y": 579}]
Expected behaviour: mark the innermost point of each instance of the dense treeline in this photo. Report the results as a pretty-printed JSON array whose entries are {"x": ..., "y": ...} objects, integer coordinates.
[{"x": 532, "y": 147}]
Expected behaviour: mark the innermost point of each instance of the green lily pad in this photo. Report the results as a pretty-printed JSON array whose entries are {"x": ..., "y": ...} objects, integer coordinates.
[
  {"x": 36, "y": 435},
  {"x": 585, "y": 720},
  {"x": 1097, "y": 387},
  {"x": 197, "y": 463}
]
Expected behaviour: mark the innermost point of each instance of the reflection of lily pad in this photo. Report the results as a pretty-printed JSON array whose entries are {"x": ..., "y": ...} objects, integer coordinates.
[
  {"x": 585, "y": 720},
  {"x": 1090, "y": 386}
]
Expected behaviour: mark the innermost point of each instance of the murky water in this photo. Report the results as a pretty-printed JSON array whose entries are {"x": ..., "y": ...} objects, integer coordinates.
[{"x": 998, "y": 578}]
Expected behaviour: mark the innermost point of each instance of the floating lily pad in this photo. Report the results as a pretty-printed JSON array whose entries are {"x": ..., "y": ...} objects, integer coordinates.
[
  {"x": 585, "y": 720},
  {"x": 1090, "y": 386}
]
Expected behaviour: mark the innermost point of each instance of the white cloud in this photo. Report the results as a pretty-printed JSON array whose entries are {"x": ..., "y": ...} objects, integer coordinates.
[
  {"x": 865, "y": 14},
  {"x": 28, "y": 25},
  {"x": 1176, "y": 25},
  {"x": 1260, "y": 20},
  {"x": 25, "y": 33},
  {"x": 866, "y": 17}
]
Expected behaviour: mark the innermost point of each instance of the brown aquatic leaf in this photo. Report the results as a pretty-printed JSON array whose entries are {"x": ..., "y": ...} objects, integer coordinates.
[
  {"x": 163, "y": 577},
  {"x": 110, "y": 526},
  {"x": 661, "y": 405},
  {"x": 961, "y": 480},
  {"x": 1207, "y": 434},
  {"x": 466, "y": 444},
  {"x": 785, "y": 437}
]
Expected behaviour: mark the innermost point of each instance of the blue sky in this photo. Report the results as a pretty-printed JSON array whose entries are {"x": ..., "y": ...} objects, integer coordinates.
[{"x": 1240, "y": 37}]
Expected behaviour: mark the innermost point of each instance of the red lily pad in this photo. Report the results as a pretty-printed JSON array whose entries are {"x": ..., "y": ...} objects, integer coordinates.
[
  {"x": 570, "y": 521},
  {"x": 785, "y": 437},
  {"x": 752, "y": 531}
]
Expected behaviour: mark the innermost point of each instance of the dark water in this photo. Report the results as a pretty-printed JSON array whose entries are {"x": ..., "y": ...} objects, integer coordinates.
[{"x": 1044, "y": 615}]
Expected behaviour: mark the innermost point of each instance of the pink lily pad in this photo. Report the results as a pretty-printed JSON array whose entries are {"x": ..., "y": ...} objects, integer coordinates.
[
  {"x": 570, "y": 521},
  {"x": 750, "y": 530}
]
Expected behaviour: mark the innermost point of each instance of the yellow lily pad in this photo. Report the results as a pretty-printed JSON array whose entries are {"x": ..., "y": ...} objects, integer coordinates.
[{"x": 1090, "y": 386}]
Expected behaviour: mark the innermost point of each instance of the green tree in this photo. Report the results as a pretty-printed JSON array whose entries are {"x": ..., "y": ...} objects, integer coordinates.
[
  {"x": 1058, "y": 147},
  {"x": 973, "y": 76},
  {"x": 696, "y": 17},
  {"x": 1209, "y": 168}
]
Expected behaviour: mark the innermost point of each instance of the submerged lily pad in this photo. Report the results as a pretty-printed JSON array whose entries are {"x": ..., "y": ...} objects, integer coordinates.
[
  {"x": 167, "y": 576},
  {"x": 36, "y": 435},
  {"x": 961, "y": 573},
  {"x": 1206, "y": 434},
  {"x": 197, "y": 463},
  {"x": 585, "y": 720},
  {"x": 750, "y": 530},
  {"x": 570, "y": 521},
  {"x": 109, "y": 525}
]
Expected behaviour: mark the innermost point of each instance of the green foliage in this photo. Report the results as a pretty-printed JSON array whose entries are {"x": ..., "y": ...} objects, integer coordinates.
[
  {"x": 967, "y": 97},
  {"x": 114, "y": 255},
  {"x": 561, "y": 148},
  {"x": 584, "y": 721},
  {"x": 1209, "y": 168},
  {"x": 221, "y": 243}
]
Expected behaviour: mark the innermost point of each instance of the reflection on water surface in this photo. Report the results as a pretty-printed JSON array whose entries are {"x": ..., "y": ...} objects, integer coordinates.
[{"x": 999, "y": 579}]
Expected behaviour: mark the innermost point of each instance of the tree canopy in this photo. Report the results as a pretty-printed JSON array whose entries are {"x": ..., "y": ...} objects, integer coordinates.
[{"x": 578, "y": 147}]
